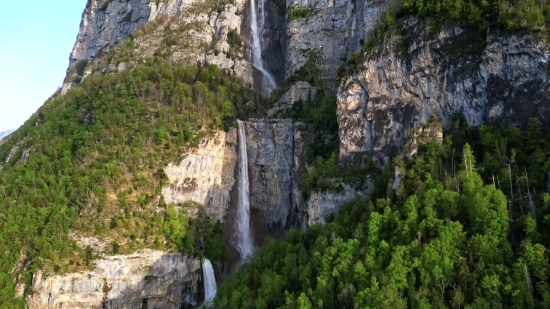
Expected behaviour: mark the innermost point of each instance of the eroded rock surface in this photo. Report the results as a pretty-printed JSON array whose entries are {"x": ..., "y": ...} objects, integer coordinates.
[
  {"x": 299, "y": 91},
  {"x": 322, "y": 204},
  {"x": 275, "y": 151},
  {"x": 503, "y": 80},
  {"x": 154, "y": 278},
  {"x": 332, "y": 30},
  {"x": 107, "y": 23},
  {"x": 206, "y": 175}
]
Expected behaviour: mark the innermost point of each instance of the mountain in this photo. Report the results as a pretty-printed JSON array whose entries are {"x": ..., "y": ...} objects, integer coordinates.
[
  {"x": 5, "y": 132},
  {"x": 370, "y": 154}
]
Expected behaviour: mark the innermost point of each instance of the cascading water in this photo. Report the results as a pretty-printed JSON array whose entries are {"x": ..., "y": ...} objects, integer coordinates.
[
  {"x": 210, "y": 287},
  {"x": 257, "y": 26},
  {"x": 244, "y": 242}
]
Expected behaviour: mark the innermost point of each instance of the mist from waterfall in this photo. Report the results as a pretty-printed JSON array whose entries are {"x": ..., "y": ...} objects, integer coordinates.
[
  {"x": 209, "y": 279},
  {"x": 245, "y": 244},
  {"x": 257, "y": 26}
]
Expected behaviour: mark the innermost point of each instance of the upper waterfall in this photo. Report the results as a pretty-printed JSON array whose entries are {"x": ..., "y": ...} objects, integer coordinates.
[
  {"x": 257, "y": 30},
  {"x": 210, "y": 287},
  {"x": 244, "y": 243}
]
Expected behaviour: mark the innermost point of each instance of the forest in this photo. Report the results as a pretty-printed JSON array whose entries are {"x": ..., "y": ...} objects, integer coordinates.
[
  {"x": 510, "y": 15},
  {"x": 467, "y": 227},
  {"x": 91, "y": 161}
]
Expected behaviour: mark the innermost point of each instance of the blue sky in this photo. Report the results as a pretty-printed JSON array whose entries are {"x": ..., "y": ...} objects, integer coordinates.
[{"x": 36, "y": 39}]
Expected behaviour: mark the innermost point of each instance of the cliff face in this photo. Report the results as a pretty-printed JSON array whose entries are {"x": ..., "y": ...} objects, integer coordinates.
[
  {"x": 332, "y": 29},
  {"x": 503, "y": 80},
  {"x": 196, "y": 30},
  {"x": 148, "y": 279},
  {"x": 206, "y": 175},
  {"x": 275, "y": 151},
  {"x": 322, "y": 204}
]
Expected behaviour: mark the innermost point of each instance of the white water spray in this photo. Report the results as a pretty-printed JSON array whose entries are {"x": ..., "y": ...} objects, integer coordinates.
[
  {"x": 244, "y": 243},
  {"x": 257, "y": 27},
  {"x": 209, "y": 279}
]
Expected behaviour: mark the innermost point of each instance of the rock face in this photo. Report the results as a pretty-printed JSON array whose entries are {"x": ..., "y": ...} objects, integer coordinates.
[
  {"x": 422, "y": 134},
  {"x": 503, "y": 80},
  {"x": 105, "y": 23},
  {"x": 148, "y": 279},
  {"x": 206, "y": 175},
  {"x": 275, "y": 151},
  {"x": 300, "y": 91},
  {"x": 322, "y": 204},
  {"x": 332, "y": 30}
]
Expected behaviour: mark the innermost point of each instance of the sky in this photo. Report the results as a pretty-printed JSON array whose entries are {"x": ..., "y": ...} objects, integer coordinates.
[{"x": 36, "y": 39}]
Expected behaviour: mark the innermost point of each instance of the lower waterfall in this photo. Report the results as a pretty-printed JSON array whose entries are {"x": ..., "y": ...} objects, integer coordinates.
[
  {"x": 245, "y": 244},
  {"x": 209, "y": 279}
]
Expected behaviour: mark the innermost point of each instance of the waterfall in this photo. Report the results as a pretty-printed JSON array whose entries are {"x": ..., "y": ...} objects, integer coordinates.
[
  {"x": 244, "y": 242},
  {"x": 257, "y": 26},
  {"x": 209, "y": 279}
]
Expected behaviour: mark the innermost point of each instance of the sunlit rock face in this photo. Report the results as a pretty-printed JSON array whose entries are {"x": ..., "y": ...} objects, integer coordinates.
[
  {"x": 205, "y": 175},
  {"x": 501, "y": 80},
  {"x": 148, "y": 278},
  {"x": 106, "y": 23}
]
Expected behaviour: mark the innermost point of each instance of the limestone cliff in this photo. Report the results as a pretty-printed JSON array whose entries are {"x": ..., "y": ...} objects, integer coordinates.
[
  {"x": 322, "y": 204},
  {"x": 275, "y": 152},
  {"x": 332, "y": 29},
  {"x": 501, "y": 79},
  {"x": 188, "y": 31},
  {"x": 147, "y": 279},
  {"x": 205, "y": 175}
]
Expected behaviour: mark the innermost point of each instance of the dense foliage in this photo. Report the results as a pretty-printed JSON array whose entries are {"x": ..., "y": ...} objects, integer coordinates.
[
  {"x": 91, "y": 161},
  {"x": 443, "y": 239},
  {"x": 480, "y": 14}
]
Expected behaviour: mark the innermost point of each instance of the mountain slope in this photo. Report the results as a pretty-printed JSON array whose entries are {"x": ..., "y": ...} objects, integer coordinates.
[
  {"x": 385, "y": 116},
  {"x": 91, "y": 162}
]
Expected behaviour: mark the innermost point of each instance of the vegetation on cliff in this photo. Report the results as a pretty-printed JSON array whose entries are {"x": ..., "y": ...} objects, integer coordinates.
[
  {"x": 91, "y": 161},
  {"x": 448, "y": 237},
  {"x": 480, "y": 14}
]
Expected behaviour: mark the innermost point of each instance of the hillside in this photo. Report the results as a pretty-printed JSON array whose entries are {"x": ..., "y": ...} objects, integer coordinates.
[{"x": 388, "y": 154}]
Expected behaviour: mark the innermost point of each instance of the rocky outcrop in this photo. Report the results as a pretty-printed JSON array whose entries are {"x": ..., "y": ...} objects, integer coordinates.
[
  {"x": 275, "y": 150},
  {"x": 205, "y": 175},
  {"x": 147, "y": 279},
  {"x": 422, "y": 134},
  {"x": 199, "y": 27},
  {"x": 299, "y": 91},
  {"x": 332, "y": 30},
  {"x": 501, "y": 79},
  {"x": 322, "y": 204}
]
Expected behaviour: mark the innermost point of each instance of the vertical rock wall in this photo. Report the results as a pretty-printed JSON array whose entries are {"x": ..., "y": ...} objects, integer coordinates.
[
  {"x": 332, "y": 29},
  {"x": 205, "y": 175},
  {"x": 106, "y": 23},
  {"x": 147, "y": 279},
  {"x": 501, "y": 80},
  {"x": 275, "y": 151}
]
